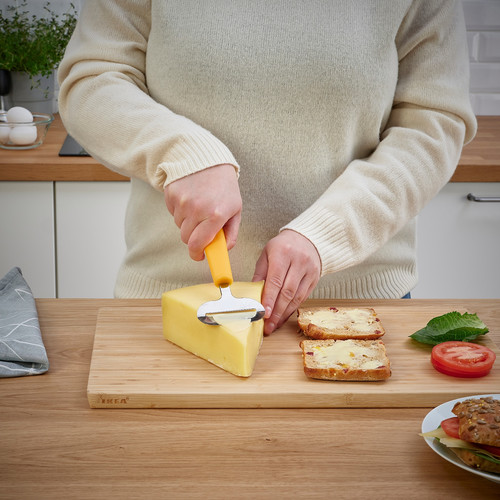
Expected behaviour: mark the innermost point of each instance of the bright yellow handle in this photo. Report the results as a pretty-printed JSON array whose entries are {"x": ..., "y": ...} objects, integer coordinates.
[{"x": 218, "y": 260}]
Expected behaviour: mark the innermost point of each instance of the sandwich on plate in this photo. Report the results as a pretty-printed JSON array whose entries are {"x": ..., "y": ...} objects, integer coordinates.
[{"x": 473, "y": 434}]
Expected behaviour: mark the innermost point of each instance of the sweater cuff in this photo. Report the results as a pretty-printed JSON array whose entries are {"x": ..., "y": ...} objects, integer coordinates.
[
  {"x": 328, "y": 235},
  {"x": 192, "y": 153}
]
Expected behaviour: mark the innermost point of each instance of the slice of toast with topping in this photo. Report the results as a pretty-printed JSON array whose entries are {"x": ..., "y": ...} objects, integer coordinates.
[
  {"x": 350, "y": 360},
  {"x": 340, "y": 323}
]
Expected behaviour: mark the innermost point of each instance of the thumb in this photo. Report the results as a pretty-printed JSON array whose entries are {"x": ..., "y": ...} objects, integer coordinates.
[
  {"x": 231, "y": 229},
  {"x": 261, "y": 268}
]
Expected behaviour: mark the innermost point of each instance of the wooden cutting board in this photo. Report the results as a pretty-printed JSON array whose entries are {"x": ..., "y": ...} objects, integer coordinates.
[{"x": 133, "y": 366}]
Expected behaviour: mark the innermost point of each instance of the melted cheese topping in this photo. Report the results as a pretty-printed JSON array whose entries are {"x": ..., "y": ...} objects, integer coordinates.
[
  {"x": 345, "y": 353},
  {"x": 342, "y": 319}
]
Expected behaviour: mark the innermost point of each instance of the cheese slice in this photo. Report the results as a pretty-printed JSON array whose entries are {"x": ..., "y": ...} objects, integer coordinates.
[
  {"x": 233, "y": 345},
  {"x": 451, "y": 442}
]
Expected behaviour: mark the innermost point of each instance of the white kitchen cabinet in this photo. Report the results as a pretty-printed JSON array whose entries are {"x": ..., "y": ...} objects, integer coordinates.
[
  {"x": 90, "y": 237},
  {"x": 27, "y": 234},
  {"x": 459, "y": 244},
  {"x": 68, "y": 239}
]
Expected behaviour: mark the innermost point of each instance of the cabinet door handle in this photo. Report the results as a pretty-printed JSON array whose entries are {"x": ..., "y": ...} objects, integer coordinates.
[{"x": 472, "y": 197}]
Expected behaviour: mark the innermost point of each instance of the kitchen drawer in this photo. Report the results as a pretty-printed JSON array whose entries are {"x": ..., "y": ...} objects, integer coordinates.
[
  {"x": 458, "y": 244},
  {"x": 90, "y": 237},
  {"x": 27, "y": 234}
]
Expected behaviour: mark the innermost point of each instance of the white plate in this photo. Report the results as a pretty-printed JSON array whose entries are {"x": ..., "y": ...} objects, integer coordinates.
[{"x": 433, "y": 420}]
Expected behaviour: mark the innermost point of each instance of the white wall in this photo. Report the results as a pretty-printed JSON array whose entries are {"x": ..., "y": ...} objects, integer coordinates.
[{"x": 482, "y": 18}]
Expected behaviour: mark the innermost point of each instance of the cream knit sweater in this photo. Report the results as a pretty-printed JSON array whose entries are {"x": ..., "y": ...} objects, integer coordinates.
[{"x": 343, "y": 117}]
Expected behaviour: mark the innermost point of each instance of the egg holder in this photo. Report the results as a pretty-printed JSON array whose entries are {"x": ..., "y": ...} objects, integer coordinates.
[{"x": 24, "y": 138}]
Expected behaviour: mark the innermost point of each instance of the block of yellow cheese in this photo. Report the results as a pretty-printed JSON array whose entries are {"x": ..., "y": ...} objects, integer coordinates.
[{"x": 233, "y": 346}]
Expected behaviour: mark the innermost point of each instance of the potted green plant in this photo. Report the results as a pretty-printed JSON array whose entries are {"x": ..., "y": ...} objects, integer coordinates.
[{"x": 31, "y": 48}]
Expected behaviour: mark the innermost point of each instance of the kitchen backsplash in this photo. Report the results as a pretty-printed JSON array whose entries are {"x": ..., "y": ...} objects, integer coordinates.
[{"x": 482, "y": 18}]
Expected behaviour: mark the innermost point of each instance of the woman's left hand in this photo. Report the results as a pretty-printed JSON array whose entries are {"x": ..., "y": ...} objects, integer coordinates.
[{"x": 291, "y": 268}]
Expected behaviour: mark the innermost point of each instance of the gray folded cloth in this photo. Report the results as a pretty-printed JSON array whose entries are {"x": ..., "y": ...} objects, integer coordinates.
[{"x": 21, "y": 347}]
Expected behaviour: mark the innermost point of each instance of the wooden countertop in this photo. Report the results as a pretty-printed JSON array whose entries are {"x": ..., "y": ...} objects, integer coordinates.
[
  {"x": 480, "y": 160},
  {"x": 55, "y": 446},
  {"x": 45, "y": 164}
]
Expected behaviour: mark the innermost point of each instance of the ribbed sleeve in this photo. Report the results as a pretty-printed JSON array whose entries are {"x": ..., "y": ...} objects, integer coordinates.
[{"x": 104, "y": 100}]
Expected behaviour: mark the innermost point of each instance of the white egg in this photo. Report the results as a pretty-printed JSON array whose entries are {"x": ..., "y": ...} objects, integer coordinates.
[
  {"x": 23, "y": 135},
  {"x": 18, "y": 114},
  {"x": 4, "y": 134}
]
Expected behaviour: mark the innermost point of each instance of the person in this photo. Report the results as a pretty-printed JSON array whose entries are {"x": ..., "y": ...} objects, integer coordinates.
[{"x": 313, "y": 133}]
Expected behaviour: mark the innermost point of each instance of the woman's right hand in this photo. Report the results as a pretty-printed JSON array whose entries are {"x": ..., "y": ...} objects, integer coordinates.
[{"x": 204, "y": 202}]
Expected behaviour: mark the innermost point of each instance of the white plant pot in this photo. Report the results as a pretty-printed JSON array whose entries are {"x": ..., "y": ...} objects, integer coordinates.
[{"x": 42, "y": 98}]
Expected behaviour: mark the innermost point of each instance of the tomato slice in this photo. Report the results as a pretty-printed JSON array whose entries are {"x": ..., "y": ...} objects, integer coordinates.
[
  {"x": 462, "y": 359},
  {"x": 451, "y": 426},
  {"x": 495, "y": 450}
]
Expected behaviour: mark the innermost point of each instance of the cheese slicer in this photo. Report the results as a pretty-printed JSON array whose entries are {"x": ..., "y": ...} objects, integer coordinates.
[{"x": 228, "y": 307}]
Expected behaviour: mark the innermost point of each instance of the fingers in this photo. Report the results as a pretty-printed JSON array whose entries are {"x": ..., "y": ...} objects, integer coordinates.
[
  {"x": 205, "y": 232},
  {"x": 260, "y": 275},
  {"x": 202, "y": 204},
  {"x": 231, "y": 229},
  {"x": 290, "y": 297},
  {"x": 291, "y": 267}
]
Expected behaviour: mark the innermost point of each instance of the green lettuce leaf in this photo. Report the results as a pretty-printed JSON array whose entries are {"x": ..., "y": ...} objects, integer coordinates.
[
  {"x": 451, "y": 326},
  {"x": 488, "y": 457}
]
